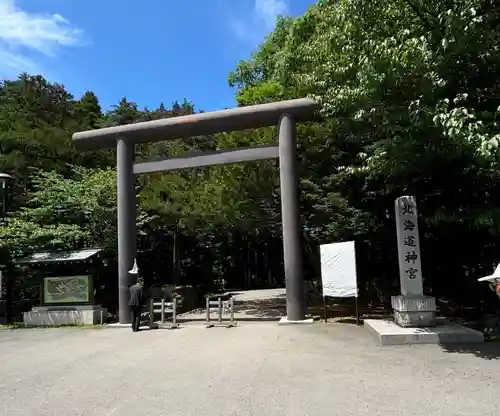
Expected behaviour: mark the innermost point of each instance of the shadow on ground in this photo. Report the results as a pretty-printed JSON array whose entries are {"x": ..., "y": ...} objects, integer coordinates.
[
  {"x": 340, "y": 312},
  {"x": 276, "y": 307},
  {"x": 350, "y": 321},
  {"x": 486, "y": 350},
  {"x": 263, "y": 308}
]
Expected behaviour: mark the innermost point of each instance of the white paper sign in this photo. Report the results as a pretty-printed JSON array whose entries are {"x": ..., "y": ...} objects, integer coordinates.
[
  {"x": 338, "y": 270},
  {"x": 410, "y": 268}
]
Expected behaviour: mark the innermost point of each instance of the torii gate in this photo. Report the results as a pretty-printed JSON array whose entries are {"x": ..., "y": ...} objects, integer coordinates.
[{"x": 284, "y": 113}]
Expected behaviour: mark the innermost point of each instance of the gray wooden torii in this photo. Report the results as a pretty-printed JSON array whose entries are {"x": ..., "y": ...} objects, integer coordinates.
[{"x": 284, "y": 113}]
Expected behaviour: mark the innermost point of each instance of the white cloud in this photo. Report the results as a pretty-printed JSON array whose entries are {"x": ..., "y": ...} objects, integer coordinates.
[
  {"x": 25, "y": 36},
  {"x": 262, "y": 20},
  {"x": 266, "y": 11}
]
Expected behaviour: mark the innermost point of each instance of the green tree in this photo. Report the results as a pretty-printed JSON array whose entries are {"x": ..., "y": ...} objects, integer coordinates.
[
  {"x": 410, "y": 107},
  {"x": 66, "y": 213}
]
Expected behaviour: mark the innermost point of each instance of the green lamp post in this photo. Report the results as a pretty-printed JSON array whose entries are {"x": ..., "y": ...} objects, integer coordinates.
[{"x": 5, "y": 180}]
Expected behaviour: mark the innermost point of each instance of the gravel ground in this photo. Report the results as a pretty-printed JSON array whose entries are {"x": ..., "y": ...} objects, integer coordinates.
[{"x": 256, "y": 369}]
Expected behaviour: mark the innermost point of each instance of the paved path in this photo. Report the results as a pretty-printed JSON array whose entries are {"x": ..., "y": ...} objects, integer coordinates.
[
  {"x": 260, "y": 305},
  {"x": 256, "y": 369},
  {"x": 260, "y": 294}
]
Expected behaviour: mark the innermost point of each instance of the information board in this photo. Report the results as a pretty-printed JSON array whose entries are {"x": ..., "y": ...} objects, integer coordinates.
[
  {"x": 67, "y": 289},
  {"x": 338, "y": 270}
]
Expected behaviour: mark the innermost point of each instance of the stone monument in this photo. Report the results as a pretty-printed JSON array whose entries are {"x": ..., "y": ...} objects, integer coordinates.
[{"x": 411, "y": 308}]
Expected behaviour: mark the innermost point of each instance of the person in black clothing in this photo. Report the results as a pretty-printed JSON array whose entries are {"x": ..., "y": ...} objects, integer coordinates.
[{"x": 135, "y": 302}]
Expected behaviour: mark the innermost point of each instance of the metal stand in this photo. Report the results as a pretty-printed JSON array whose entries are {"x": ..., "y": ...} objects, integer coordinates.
[
  {"x": 220, "y": 307},
  {"x": 162, "y": 308}
]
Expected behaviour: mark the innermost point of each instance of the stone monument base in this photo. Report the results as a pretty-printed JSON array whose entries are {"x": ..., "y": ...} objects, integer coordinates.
[
  {"x": 387, "y": 332},
  {"x": 414, "y": 311},
  {"x": 65, "y": 315}
]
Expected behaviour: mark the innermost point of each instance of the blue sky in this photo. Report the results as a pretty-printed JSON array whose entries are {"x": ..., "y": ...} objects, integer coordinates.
[{"x": 149, "y": 51}]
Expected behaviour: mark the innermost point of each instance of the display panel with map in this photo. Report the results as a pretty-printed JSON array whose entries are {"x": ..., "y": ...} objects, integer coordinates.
[{"x": 71, "y": 289}]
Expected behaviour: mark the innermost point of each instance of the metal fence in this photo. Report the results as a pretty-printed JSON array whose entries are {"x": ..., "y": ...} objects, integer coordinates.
[
  {"x": 221, "y": 308},
  {"x": 163, "y": 308}
]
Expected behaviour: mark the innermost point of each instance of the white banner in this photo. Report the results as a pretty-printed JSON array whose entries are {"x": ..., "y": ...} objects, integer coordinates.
[{"x": 338, "y": 270}]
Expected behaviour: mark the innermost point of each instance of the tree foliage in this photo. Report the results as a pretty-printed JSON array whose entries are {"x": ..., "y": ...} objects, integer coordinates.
[
  {"x": 410, "y": 105},
  {"x": 66, "y": 213}
]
